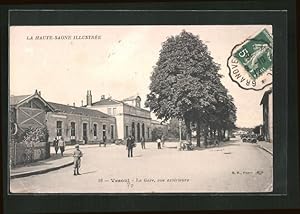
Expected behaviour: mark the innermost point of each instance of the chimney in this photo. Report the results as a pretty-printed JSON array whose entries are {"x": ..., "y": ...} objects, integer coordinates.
[
  {"x": 81, "y": 103},
  {"x": 89, "y": 98},
  {"x": 103, "y": 97},
  {"x": 40, "y": 93},
  {"x": 74, "y": 104}
]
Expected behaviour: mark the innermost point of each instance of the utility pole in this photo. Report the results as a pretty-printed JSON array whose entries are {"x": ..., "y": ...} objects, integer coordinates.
[{"x": 180, "y": 123}]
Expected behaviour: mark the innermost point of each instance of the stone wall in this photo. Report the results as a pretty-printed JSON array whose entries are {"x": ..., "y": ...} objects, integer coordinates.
[{"x": 21, "y": 153}]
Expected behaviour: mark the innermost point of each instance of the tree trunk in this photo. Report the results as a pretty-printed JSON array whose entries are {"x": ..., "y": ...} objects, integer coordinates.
[
  {"x": 198, "y": 134},
  {"x": 219, "y": 135},
  {"x": 188, "y": 130},
  {"x": 224, "y": 130},
  {"x": 205, "y": 134}
]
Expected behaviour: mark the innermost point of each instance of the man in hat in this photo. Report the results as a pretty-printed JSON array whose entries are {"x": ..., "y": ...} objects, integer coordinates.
[
  {"x": 130, "y": 145},
  {"x": 77, "y": 160}
]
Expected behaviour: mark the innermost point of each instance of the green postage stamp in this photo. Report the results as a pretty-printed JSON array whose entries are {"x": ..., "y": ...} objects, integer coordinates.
[{"x": 250, "y": 63}]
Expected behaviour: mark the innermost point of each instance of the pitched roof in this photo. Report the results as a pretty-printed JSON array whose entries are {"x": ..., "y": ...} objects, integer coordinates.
[
  {"x": 78, "y": 110},
  {"x": 16, "y": 99},
  {"x": 107, "y": 101},
  {"x": 131, "y": 98},
  {"x": 110, "y": 101},
  {"x": 19, "y": 100}
]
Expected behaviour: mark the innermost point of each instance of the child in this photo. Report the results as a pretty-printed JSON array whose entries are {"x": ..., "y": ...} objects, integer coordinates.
[
  {"x": 158, "y": 143},
  {"x": 77, "y": 160}
]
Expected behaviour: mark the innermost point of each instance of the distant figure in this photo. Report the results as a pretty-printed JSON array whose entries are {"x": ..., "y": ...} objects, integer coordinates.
[
  {"x": 163, "y": 140},
  {"x": 77, "y": 160},
  {"x": 104, "y": 140},
  {"x": 130, "y": 145},
  {"x": 158, "y": 143},
  {"x": 143, "y": 143},
  {"x": 62, "y": 145},
  {"x": 55, "y": 144},
  {"x": 85, "y": 139}
]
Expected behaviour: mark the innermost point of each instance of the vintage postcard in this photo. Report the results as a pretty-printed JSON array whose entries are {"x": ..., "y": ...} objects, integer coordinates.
[{"x": 141, "y": 109}]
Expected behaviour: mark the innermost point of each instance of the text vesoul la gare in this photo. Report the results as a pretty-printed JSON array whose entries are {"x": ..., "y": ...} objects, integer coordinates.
[{"x": 65, "y": 37}]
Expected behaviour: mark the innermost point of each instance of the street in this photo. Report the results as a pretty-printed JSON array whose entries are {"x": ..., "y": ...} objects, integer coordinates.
[{"x": 232, "y": 167}]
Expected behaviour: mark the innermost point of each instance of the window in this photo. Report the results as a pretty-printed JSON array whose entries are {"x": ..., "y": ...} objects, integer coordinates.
[
  {"x": 109, "y": 111},
  {"x": 59, "y": 128},
  {"x": 104, "y": 130},
  {"x": 126, "y": 131},
  {"x": 138, "y": 103},
  {"x": 114, "y": 111},
  {"x": 84, "y": 130},
  {"x": 112, "y": 132},
  {"x": 72, "y": 129},
  {"x": 95, "y": 130}
]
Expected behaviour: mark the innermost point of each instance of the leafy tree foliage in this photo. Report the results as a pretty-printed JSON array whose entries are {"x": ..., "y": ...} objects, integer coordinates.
[{"x": 185, "y": 84}]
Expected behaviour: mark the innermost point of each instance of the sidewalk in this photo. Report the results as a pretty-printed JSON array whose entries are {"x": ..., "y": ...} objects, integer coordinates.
[
  {"x": 267, "y": 146},
  {"x": 56, "y": 161}
]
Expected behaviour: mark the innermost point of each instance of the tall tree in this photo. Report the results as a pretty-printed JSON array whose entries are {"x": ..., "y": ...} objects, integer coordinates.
[{"x": 184, "y": 82}]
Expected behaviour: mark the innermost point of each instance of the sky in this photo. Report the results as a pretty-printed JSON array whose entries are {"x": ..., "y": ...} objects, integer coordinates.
[{"x": 115, "y": 61}]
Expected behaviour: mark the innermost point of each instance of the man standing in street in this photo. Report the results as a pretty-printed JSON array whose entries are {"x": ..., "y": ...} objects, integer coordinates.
[
  {"x": 62, "y": 145},
  {"x": 130, "y": 145},
  {"x": 77, "y": 160}
]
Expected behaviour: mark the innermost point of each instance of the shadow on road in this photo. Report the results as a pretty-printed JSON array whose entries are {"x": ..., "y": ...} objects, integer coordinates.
[{"x": 84, "y": 173}]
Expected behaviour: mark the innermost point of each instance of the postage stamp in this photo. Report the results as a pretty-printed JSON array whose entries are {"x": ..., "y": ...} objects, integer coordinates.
[{"x": 250, "y": 63}]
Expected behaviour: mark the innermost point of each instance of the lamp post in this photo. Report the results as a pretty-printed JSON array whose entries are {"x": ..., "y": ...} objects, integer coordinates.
[{"x": 180, "y": 123}]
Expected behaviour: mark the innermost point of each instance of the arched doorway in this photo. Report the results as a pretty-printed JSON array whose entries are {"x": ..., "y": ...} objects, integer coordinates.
[
  {"x": 143, "y": 130},
  {"x": 138, "y": 132},
  {"x": 133, "y": 129}
]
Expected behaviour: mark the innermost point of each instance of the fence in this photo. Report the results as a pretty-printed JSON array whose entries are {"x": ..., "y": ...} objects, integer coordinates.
[{"x": 21, "y": 153}]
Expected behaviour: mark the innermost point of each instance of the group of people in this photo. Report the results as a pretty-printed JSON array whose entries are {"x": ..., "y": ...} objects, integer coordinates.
[
  {"x": 77, "y": 154},
  {"x": 59, "y": 144},
  {"x": 130, "y": 144}
]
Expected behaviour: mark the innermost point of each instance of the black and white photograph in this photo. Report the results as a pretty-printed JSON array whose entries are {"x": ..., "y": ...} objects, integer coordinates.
[{"x": 141, "y": 109}]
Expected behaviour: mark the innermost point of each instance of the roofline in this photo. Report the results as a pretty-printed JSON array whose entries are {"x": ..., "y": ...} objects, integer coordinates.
[
  {"x": 120, "y": 102},
  {"x": 136, "y": 107},
  {"x": 32, "y": 96},
  {"x": 82, "y": 108},
  {"x": 127, "y": 99}
]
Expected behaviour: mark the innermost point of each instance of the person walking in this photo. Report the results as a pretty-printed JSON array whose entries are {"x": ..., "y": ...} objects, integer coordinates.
[
  {"x": 130, "y": 145},
  {"x": 62, "y": 145},
  {"x": 158, "y": 143},
  {"x": 55, "y": 144},
  {"x": 77, "y": 154},
  {"x": 143, "y": 143}
]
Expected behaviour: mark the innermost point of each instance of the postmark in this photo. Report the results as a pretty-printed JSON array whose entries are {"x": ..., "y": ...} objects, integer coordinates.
[{"x": 251, "y": 62}]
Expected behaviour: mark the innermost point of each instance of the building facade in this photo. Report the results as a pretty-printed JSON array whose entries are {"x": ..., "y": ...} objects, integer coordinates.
[
  {"x": 131, "y": 119},
  {"x": 79, "y": 124},
  {"x": 74, "y": 124},
  {"x": 267, "y": 104}
]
